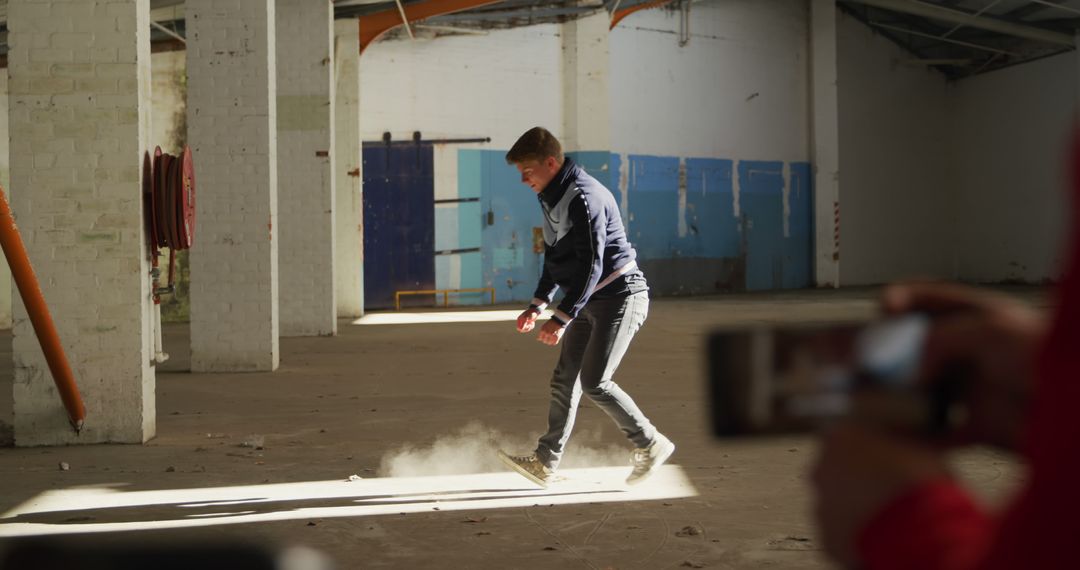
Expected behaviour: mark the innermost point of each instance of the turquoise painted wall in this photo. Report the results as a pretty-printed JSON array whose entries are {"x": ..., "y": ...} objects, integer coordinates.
[{"x": 700, "y": 225}]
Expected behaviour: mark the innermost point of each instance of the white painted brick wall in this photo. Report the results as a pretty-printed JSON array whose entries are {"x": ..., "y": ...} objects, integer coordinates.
[
  {"x": 586, "y": 65},
  {"x": 306, "y": 181},
  {"x": 348, "y": 173},
  {"x": 5, "y": 182},
  {"x": 896, "y": 215},
  {"x": 496, "y": 85},
  {"x": 169, "y": 105},
  {"x": 825, "y": 145},
  {"x": 79, "y": 123},
  {"x": 1009, "y": 131},
  {"x": 232, "y": 130},
  {"x": 738, "y": 89}
]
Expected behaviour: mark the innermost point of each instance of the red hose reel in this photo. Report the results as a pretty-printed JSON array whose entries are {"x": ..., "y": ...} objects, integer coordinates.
[{"x": 169, "y": 200}]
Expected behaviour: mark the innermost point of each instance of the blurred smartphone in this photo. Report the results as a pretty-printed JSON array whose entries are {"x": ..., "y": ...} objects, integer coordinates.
[{"x": 775, "y": 379}]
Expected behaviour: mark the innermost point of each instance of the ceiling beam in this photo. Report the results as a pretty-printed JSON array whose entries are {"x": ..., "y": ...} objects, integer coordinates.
[
  {"x": 374, "y": 25},
  {"x": 946, "y": 40},
  {"x": 621, "y": 13},
  {"x": 1023, "y": 11},
  {"x": 936, "y": 12},
  {"x": 1056, "y": 6}
]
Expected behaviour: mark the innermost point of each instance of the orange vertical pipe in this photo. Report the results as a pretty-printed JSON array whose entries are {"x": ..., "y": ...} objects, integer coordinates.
[{"x": 30, "y": 291}]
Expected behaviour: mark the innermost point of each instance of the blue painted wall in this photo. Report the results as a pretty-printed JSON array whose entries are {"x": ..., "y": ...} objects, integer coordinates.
[
  {"x": 507, "y": 213},
  {"x": 700, "y": 225},
  {"x": 713, "y": 229},
  {"x": 653, "y": 195},
  {"x": 799, "y": 244},
  {"x": 457, "y": 228},
  {"x": 762, "y": 201}
]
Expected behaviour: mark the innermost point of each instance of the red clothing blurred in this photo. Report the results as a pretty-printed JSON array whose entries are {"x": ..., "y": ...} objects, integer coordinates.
[{"x": 938, "y": 526}]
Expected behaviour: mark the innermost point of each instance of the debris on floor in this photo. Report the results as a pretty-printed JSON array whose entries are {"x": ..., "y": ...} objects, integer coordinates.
[
  {"x": 688, "y": 531},
  {"x": 253, "y": 441}
]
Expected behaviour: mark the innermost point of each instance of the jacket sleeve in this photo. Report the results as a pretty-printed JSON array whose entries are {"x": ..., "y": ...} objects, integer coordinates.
[
  {"x": 589, "y": 234},
  {"x": 934, "y": 526},
  {"x": 545, "y": 290}
]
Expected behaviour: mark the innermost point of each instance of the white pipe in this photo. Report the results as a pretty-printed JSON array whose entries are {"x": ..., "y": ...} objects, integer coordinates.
[
  {"x": 977, "y": 14},
  {"x": 942, "y": 61},
  {"x": 159, "y": 350},
  {"x": 405, "y": 19},
  {"x": 169, "y": 32},
  {"x": 451, "y": 29},
  {"x": 1058, "y": 6},
  {"x": 940, "y": 39},
  {"x": 935, "y": 12},
  {"x": 615, "y": 9}
]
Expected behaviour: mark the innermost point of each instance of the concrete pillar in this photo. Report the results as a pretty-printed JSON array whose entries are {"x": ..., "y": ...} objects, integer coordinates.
[
  {"x": 306, "y": 171},
  {"x": 79, "y": 119},
  {"x": 232, "y": 130},
  {"x": 586, "y": 117},
  {"x": 349, "y": 165},
  {"x": 5, "y": 182},
  {"x": 825, "y": 143}
]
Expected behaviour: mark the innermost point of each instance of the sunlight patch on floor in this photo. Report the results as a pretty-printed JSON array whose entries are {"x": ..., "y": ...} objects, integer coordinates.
[{"x": 110, "y": 509}]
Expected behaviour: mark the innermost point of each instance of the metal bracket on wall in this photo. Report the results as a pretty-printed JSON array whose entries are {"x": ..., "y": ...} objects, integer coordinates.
[
  {"x": 457, "y": 200},
  {"x": 457, "y": 251},
  {"x": 387, "y": 140},
  {"x": 684, "y": 23}
]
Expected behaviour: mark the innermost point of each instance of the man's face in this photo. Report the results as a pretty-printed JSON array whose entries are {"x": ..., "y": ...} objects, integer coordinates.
[{"x": 538, "y": 174}]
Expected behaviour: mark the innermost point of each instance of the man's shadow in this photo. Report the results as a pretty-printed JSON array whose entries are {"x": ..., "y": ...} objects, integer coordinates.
[{"x": 201, "y": 510}]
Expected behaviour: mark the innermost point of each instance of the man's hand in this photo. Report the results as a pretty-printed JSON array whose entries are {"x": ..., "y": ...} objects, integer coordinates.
[
  {"x": 992, "y": 338},
  {"x": 527, "y": 319},
  {"x": 859, "y": 471},
  {"x": 551, "y": 333},
  {"x": 993, "y": 341}
]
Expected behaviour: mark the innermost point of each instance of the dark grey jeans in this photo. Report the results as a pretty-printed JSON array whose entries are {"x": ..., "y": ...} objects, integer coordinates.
[{"x": 592, "y": 347}]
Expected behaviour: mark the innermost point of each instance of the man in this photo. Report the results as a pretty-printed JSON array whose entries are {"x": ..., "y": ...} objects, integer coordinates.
[
  {"x": 888, "y": 502},
  {"x": 605, "y": 302}
]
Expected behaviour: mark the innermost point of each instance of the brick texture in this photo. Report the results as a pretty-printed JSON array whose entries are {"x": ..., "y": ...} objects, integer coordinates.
[
  {"x": 232, "y": 107},
  {"x": 349, "y": 203},
  {"x": 306, "y": 170},
  {"x": 79, "y": 123}
]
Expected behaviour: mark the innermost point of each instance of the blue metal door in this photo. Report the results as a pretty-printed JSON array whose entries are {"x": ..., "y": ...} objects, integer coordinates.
[{"x": 399, "y": 221}]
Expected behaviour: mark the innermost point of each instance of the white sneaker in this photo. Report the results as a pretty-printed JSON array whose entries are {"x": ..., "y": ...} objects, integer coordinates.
[
  {"x": 646, "y": 460},
  {"x": 528, "y": 466}
]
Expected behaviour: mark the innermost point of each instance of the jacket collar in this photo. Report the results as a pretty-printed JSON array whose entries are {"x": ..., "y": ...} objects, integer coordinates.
[{"x": 564, "y": 179}]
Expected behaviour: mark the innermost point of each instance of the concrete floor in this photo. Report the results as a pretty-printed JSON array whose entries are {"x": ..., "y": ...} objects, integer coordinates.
[{"x": 348, "y": 404}]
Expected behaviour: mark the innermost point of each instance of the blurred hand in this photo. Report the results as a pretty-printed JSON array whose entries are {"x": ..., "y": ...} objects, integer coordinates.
[
  {"x": 992, "y": 338},
  {"x": 860, "y": 471},
  {"x": 551, "y": 333},
  {"x": 527, "y": 320}
]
